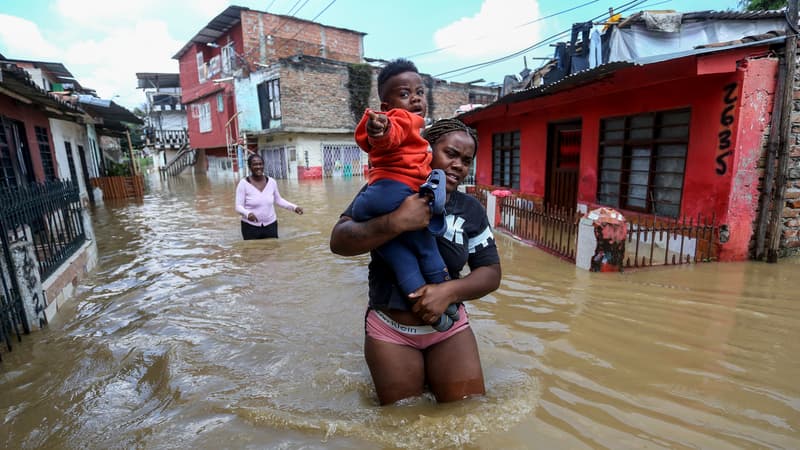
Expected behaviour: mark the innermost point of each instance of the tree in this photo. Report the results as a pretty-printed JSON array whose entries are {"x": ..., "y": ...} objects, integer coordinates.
[{"x": 758, "y": 5}]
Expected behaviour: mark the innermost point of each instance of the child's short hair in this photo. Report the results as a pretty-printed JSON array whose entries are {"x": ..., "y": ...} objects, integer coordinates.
[{"x": 394, "y": 67}]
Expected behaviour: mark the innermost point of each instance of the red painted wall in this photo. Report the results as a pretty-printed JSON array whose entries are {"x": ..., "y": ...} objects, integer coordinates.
[
  {"x": 195, "y": 92},
  {"x": 752, "y": 118},
  {"x": 31, "y": 117}
]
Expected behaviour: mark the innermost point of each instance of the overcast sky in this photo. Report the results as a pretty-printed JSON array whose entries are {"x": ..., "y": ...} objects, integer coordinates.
[{"x": 105, "y": 42}]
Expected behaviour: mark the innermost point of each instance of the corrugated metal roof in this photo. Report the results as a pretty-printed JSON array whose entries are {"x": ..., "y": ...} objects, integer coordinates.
[
  {"x": 217, "y": 27},
  {"x": 152, "y": 80},
  {"x": 16, "y": 80},
  {"x": 699, "y": 16},
  {"x": 57, "y": 70},
  {"x": 226, "y": 20},
  {"x": 732, "y": 15},
  {"x": 113, "y": 115},
  {"x": 599, "y": 72}
]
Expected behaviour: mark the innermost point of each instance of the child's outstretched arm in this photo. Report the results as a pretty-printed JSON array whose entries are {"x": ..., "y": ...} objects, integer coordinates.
[{"x": 377, "y": 124}]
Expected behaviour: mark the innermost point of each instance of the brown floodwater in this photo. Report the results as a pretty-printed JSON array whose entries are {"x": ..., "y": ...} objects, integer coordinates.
[{"x": 185, "y": 336}]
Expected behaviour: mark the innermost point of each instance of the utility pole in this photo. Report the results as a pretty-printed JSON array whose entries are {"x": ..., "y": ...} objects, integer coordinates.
[{"x": 790, "y": 54}]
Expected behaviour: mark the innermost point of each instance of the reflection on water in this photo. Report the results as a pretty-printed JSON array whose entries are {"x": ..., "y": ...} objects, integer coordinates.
[{"x": 188, "y": 337}]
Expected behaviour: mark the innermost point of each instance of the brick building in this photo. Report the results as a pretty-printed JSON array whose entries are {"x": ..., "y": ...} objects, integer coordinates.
[{"x": 284, "y": 87}]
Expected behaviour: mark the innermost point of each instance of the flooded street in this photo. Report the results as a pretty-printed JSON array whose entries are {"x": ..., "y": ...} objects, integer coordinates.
[{"x": 185, "y": 336}]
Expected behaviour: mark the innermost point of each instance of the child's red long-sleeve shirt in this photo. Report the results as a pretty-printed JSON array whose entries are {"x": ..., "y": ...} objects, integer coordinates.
[{"x": 401, "y": 154}]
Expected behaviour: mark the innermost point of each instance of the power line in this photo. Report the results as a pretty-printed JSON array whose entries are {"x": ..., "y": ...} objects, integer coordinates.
[
  {"x": 286, "y": 42},
  {"x": 516, "y": 27},
  {"x": 471, "y": 68}
]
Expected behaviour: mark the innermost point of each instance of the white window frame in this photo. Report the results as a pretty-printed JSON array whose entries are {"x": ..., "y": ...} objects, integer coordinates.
[
  {"x": 204, "y": 120},
  {"x": 201, "y": 67}
]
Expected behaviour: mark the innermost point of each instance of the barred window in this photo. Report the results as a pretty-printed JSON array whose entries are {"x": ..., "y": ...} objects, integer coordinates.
[
  {"x": 8, "y": 176},
  {"x": 73, "y": 174},
  {"x": 642, "y": 161},
  {"x": 505, "y": 152},
  {"x": 43, "y": 141},
  {"x": 269, "y": 101}
]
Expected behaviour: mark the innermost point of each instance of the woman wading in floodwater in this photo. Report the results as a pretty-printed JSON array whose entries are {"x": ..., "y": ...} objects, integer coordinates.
[
  {"x": 256, "y": 197},
  {"x": 403, "y": 352}
]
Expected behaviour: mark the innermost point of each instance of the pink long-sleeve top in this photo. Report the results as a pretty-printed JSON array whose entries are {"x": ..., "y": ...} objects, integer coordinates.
[{"x": 261, "y": 203}]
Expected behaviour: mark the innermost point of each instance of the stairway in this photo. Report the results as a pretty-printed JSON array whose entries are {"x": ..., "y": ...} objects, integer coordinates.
[{"x": 186, "y": 157}]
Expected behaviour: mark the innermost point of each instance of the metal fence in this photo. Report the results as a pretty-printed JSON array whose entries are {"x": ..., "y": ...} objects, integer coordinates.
[
  {"x": 651, "y": 240},
  {"x": 554, "y": 229},
  {"x": 49, "y": 216},
  {"x": 343, "y": 160},
  {"x": 11, "y": 313},
  {"x": 656, "y": 241}
]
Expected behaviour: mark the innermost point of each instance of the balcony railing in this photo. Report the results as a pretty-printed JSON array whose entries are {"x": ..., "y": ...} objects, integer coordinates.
[{"x": 167, "y": 138}]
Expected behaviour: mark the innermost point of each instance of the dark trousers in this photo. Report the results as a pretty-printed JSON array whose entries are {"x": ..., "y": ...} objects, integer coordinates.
[
  {"x": 263, "y": 232},
  {"x": 414, "y": 255}
]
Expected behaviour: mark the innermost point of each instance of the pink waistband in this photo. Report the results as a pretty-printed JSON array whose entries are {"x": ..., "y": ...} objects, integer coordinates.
[{"x": 383, "y": 328}]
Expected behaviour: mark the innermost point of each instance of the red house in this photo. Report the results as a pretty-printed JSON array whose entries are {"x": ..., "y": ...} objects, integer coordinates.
[
  {"x": 672, "y": 136},
  {"x": 234, "y": 44}
]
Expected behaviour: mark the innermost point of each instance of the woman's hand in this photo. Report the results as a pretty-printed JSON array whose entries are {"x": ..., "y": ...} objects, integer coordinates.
[
  {"x": 431, "y": 300},
  {"x": 350, "y": 238},
  {"x": 252, "y": 217},
  {"x": 298, "y": 210},
  {"x": 413, "y": 214}
]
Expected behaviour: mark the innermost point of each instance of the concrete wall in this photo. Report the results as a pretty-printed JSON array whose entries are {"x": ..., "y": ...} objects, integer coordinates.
[{"x": 76, "y": 135}]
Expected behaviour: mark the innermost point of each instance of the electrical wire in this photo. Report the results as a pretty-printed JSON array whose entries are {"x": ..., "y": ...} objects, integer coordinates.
[
  {"x": 473, "y": 67},
  {"x": 286, "y": 42},
  {"x": 516, "y": 27}
]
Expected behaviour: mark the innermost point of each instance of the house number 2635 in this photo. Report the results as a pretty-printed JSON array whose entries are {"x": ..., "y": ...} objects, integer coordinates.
[{"x": 726, "y": 119}]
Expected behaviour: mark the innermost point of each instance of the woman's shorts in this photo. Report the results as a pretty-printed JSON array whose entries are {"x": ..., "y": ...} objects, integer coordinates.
[
  {"x": 380, "y": 326},
  {"x": 262, "y": 232}
]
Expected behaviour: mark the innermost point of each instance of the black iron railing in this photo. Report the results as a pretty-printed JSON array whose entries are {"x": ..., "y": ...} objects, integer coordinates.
[
  {"x": 552, "y": 228},
  {"x": 185, "y": 157},
  {"x": 11, "y": 313},
  {"x": 49, "y": 216},
  {"x": 657, "y": 241}
]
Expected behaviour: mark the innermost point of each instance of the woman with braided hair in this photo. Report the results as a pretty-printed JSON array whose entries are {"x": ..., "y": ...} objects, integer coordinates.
[{"x": 403, "y": 352}]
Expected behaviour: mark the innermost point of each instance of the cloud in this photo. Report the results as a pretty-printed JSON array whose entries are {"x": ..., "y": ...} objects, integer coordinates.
[
  {"x": 102, "y": 13},
  {"x": 109, "y": 65},
  {"x": 20, "y": 38},
  {"x": 498, "y": 29}
]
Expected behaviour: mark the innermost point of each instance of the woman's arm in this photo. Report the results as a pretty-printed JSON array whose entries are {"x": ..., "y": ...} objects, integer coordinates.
[
  {"x": 280, "y": 201},
  {"x": 350, "y": 238},
  {"x": 240, "y": 195},
  {"x": 433, "y": 299}
]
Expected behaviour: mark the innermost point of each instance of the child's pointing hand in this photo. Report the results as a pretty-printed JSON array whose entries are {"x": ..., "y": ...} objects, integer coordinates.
[{"x": 377, "y": 124}]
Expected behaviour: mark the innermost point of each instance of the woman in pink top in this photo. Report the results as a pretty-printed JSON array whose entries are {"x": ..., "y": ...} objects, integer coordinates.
[{"x": 256, "y": 197}]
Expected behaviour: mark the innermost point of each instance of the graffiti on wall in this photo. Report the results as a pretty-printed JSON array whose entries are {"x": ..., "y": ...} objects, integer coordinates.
[{"x": 724, "y": 148}]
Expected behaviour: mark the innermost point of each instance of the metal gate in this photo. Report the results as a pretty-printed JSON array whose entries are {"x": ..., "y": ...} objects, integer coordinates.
[
  {"x": 275, "y": 164},
  {"x": 11, "y": 312},
  {"x": 343, "y": 160}
]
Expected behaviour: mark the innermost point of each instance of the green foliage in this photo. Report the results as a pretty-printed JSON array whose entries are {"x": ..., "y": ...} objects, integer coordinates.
[
  {"x": 117, "y": 170},
  {"x": 758, "y": 5},
  {"x": 359, "y": 85}
]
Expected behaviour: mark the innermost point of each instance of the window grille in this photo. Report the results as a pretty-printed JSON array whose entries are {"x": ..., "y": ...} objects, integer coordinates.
[
  {"x": 642, "y": 160},
  {"x": 506, "y": 159}
]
